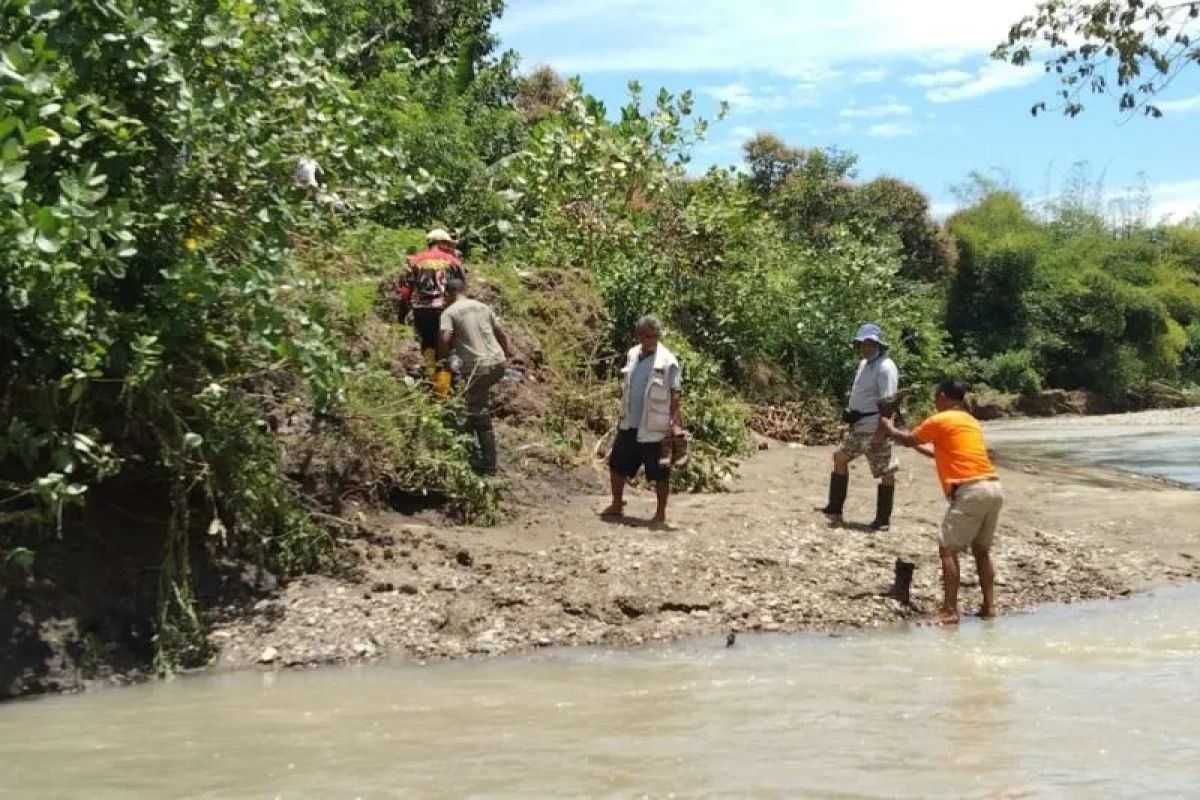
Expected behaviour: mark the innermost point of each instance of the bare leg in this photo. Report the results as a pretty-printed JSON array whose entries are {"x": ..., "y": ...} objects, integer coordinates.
[
  {"x": 948, "y": 615},
  {"x": 888, "y": 480},
  {"x": 987, "y": 578},
  {"x": 617, "y": 481},
  {"x": 662, "y": 490},
  {"x": 841, "y": 464}
]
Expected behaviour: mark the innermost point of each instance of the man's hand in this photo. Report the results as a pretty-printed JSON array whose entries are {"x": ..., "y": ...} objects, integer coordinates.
[
  {"x": 903, "y": 437},
  {"x": 886, "y": 427}
]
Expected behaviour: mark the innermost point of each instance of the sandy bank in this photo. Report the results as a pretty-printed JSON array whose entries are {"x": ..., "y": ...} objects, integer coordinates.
[{"x": 757, "y": 558}]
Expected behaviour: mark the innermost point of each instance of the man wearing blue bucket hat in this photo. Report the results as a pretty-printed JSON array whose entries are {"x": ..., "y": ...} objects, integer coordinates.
[{"x": 876, "y": 384}]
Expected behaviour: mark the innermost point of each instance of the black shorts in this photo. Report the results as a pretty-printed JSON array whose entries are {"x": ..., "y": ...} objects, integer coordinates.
[
  {"x": 629, "y": 455},
  {"x": 428, "y": 323}
]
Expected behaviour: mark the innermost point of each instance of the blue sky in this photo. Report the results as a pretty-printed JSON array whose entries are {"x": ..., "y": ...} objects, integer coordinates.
[{"x": 905, "y": 84}]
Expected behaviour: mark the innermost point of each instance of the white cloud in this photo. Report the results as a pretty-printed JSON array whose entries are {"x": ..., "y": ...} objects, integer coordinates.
[
  {"x": 942, "y": 210},
  {"x": 892, "y": 130},
  {"x": 946, "y": 58},
  {"x": 870, "y": 75},
  {"x": 1176, "y": 200},
  {"x": 881, "y": 110},
  {"x": 743, "y": 132},
  {"x": 737, "y": 95},
  {"x": 631, "y": 36},
  {"x": 947, "y": 77},
  {"x": 745, "y": 99},
  {"x": 991, "y": 77},
  {"x": 1181, "y": 106}
]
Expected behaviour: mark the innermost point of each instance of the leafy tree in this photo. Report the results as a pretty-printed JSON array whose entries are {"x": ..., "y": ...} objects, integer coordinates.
[
  {"x": 540, "y": 94},
  {"x": 998, "y": 245},
  {"x": 928, "y": 253},
  {"x": 808, "y": 190},
  {"x": 1130, "y": 48},
  {"x": 147, "y": 202}
]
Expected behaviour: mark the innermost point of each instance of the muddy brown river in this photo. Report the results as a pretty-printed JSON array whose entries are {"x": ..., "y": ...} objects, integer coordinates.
[{"x": 1089, "y": 701}]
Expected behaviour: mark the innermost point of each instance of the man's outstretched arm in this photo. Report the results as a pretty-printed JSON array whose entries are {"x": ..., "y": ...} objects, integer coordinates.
[{"x": 906, "y": 438}]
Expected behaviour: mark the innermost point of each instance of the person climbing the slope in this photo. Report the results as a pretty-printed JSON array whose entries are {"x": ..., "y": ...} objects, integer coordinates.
[
  {"x": 423, "y": 288},
  {"x": 470, "y": 330},
  {"x": 969, "y": 482},
  {"x": 876, "y": 383}
]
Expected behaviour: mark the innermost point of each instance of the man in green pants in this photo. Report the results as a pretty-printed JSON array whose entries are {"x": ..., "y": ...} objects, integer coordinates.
[{"x": 470, "y": 330}]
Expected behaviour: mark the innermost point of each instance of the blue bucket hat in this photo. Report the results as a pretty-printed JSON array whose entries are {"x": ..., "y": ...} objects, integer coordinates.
[{"x": 870, "y": 332}]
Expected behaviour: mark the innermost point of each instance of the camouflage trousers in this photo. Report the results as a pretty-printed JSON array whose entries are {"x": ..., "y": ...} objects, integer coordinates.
[{"x": 881, "y": 458}]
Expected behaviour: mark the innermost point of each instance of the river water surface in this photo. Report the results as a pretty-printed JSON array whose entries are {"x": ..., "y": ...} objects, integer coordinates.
[
  {"x": 1155, "y": 443},
  {"x": 1091, "y": 701},
  {"x": 1094, "y": 701}
]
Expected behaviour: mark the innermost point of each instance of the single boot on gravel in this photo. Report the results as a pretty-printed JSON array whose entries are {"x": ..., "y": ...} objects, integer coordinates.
[
  {"x": 885, "y": 497},
  {"x": 838, "y": 485},
  {"x": 902, "y": 584}
]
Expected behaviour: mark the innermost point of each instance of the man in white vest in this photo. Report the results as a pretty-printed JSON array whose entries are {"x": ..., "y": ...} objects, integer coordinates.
[{"x": 653, "y": 383}]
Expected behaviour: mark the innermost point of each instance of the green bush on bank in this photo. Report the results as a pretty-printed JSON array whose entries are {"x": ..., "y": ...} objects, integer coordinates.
[{"x": 1013, "y": 371}]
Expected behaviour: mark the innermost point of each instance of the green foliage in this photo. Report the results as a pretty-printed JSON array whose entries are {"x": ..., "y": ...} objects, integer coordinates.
[
  {"x": 927, "y": 253},
  {"x": 147, "y": 151},
  {"x": 1013, "y": 371},
  {"x": 808, "y": 190},
  {"x": 1128, "y": 48},
  {"x": 410, "y": 442},
  {"x": 987, "y": 304},
  {"x": 1080, "y": 302},
  {"x": 717, "y": 420},
  {"x": 1189, "y": 367}
]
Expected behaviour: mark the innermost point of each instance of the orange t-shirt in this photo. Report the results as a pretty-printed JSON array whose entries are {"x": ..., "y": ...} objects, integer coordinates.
[{"x": 958, "y": 448}]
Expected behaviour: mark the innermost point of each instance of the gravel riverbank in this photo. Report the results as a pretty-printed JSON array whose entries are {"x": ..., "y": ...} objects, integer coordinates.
[{"x": 756, "y": 558}]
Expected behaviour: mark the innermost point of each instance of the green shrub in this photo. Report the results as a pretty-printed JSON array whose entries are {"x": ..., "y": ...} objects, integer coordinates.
[
  {"x": 1013, "y": 371},
  {"x": 405, "y": 440},
  {"x": 717, "y": 420},
  {"x": 1189, "y": 367}
]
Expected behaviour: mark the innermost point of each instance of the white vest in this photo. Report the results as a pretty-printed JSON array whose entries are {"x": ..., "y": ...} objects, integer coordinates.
[{"x": 655, "y": 423}]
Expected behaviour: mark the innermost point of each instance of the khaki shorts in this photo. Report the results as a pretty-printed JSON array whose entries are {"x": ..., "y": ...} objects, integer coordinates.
[
  {"x": 882, "y": 460},
  {"x": 971, "y": 519}
]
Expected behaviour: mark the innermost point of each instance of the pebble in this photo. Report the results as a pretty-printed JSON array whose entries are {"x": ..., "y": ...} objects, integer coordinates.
[{"x": 268, "y": 656}]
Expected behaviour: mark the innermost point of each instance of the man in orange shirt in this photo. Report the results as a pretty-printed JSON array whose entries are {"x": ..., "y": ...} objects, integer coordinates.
[
  {"x": 423, "y": 287},
  {"x": 954, "y": 439}
]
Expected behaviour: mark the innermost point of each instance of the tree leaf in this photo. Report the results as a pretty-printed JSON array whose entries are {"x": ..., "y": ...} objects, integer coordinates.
[
  {"x": 45, "y": 244},
  {"x": 35, "y": 136},
  {"x": 12, "y": 173}
]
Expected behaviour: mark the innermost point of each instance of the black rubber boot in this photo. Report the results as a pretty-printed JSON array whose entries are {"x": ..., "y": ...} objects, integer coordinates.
[
  {"x": 838, "y": 484},
  {"x": 487, "y": 451},
  {"x": 902, "y": 585},
  {"x": 885, "y": 496}
]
